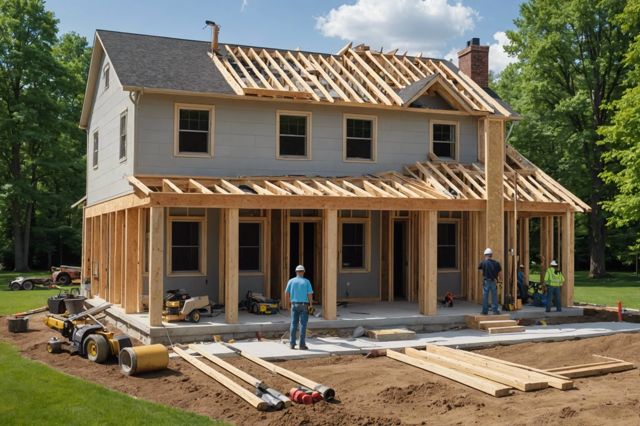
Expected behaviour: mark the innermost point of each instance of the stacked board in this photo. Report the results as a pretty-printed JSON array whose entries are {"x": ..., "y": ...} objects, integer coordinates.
[{"x": 494, "y": 324}]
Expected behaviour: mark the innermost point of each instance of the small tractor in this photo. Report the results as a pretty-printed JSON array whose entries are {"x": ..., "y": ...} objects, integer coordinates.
[
  {"x": 179, "y": 306},
  {"x": 86, "y": 337}
]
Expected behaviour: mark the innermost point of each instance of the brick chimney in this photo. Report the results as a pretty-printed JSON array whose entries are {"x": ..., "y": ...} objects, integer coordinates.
[{"x": 473, "y": 60}]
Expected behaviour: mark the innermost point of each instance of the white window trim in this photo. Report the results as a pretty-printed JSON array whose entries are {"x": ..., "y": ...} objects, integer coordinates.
[
  {"x": 367, "y": 245},
  {"x": 458, "y": 223},
  {"x": 176, "y": 129},
  {"x": 106, "y": 71},
  {"x": 93, "y": 148},
  {"x": 125, "y": 112},
  {"x": 308, "y": 136},
  {"x": 203, "y": 245},
  {"x": 374, "y": 138},
  {"x": 263, "y": 244},
  {"x": 457, "y": 142}
]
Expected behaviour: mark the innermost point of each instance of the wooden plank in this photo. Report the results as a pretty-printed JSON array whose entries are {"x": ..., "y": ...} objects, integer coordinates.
[
  {"x": 95, "y": 255},
  {"x": 579, "y": 366},
  {"x": 203, "y": 189},
  {"x": 137, "y": 184},
  {"x": 118, "y": 257},
  {"x": 355, "y": 81},
  {"x": 575, "y": 373},
  {"x": 156, "y": 265},
  {"x": 354, "y": 96},
  {"x": 484, "y": 324},
  {"x": 387, "y": 335},
  {"x": 298, "y": 77},
  {"x": 111, "y": 276},
  {"x": 236, "y": 85},
  {"x": 131, "y": 258},
  {"x": 167, "y": 184},
  {"x": 427, "y": 262},
  {"x": 223, "y": 380},
  {"x": 244, "y": 71},
  {"x": 329, "y": 264},
  {"x": 266, "y": 69},
  {"x": 554, "y": 380},
  {"x": 509, "y": 329},
  {"x": 487, "y": 386},
  {"x": 312, "y": 63},
  {"x": 255, "y": 70},
  {"x": 311, "y": 77},
  {"x": 371, "y": 74},
  {"x": 231, "y": 265},
  {"x": 143, "y": 250},
  {"x": 494, "y": 160},
  {"x": 568, "y": 254},
  {"x": 524, "y": 385}
]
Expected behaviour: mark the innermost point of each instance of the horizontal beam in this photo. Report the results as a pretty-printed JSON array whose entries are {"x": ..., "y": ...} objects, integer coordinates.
[
  {"x": 250, "y": 201},
  {"x": 120, "y": 203}
]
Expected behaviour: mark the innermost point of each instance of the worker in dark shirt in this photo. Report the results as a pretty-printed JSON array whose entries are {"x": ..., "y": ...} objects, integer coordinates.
[{"x": 491, "y": 273}]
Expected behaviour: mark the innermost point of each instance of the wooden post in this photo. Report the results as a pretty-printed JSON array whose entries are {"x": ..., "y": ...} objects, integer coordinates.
[
  {"x": 568, "y": 242},
  {"x": 524, "y": 239},
  {"x": 95, "y": 257},
  {"x": 428, "y": 262},
  {"x": 144, "y": 250},
  {"x": 386, "y": 256},
  {"x": 222, "y": 256},
  {"x": 131, "y": 260},
  {"x": 232, "y": 224},
  {"x": 494, "y": 172},
  {"x": 118, "y": 266},
  {"x": 112, "y": 258},
  {"x": 86, "y": 247},
  {"x": 330, "y": 264},
  {"x": 481, "y": 244},
  {"x": 156, "y": 265},
  {"x": 104, "y": 256}
]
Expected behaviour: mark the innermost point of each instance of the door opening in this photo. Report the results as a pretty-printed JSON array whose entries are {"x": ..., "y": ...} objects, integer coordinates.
[
  {"x": 303, "y": 250},
  {"x": 400, "y": 260}
]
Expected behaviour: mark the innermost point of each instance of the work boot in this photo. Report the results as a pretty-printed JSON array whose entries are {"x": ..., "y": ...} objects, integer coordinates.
[
  {"x": 292, "y": 346},
  {"x": 303, "y": 347}
]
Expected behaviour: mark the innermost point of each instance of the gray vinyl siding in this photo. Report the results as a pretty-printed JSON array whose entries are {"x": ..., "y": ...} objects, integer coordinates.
[
  {"x": 109, "y": 180},
  {"x": 245, "y": 139}
]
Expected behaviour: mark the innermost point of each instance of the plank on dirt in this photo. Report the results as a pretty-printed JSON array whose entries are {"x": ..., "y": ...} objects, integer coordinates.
[
  {"x": 487, "y": 386},
  {"x": 575, "y": 373}
]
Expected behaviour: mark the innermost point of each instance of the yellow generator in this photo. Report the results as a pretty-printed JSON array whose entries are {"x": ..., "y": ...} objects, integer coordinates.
[{"x": 179, "y": 306}]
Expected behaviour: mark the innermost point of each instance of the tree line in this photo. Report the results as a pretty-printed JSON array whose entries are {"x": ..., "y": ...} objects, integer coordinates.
[{"x": 576, "y": 82}]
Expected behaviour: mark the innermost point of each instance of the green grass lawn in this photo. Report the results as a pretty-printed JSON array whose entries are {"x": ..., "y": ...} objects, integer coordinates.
[
  {"x": 12, "y": 302},
  {"x": 622, "y": 286},
  {"x": 33, "y": 394}
]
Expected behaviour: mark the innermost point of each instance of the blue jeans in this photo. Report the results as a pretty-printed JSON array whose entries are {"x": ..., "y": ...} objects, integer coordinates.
[
  {"x": 489, "y": 287},
  {"x": 299, "y": 313},
  {"x": 554, "y": 293}
]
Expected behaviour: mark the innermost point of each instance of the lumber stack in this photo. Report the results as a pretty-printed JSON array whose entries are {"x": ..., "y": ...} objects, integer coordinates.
[
  {"x": 494, "y": 324},
  {"x": 610, "y": 365},
  {"x": 489, "y": 375}
]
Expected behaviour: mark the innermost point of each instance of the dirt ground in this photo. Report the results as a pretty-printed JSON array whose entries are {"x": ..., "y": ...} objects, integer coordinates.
[{"x": 381, "y": 391}]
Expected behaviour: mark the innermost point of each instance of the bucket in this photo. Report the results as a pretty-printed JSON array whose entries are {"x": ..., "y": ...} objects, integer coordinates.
[
  {"x": 56, "y": 305},
  {"x": 18, "y": 325},
  {"x": 140, "y": 359},
  {"x": 74, "y": 306}
]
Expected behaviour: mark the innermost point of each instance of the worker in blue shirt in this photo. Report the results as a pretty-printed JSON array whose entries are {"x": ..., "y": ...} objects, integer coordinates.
[
  {"x": 491, "y": 272},
  {"x": 300, "y": 293},
  {"x": 521, "y": 289}
]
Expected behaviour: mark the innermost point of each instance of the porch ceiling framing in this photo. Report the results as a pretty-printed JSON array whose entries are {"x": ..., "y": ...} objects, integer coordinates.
[{"x": 355, "y": 75}]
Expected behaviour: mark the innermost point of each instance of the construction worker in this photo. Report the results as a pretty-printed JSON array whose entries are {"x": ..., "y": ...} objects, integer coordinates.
[
  {"x": 300, "y": 293},
  {"x": 521, "y": 289},
  {"x": 492, "y": 273},
  {"x": 554, "y": 280}
]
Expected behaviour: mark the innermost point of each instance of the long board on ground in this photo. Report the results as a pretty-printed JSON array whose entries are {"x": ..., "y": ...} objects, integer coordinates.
[
  {"x": 224, "y": 380},
  {"x": 484, "y": 385},
  {"x": 553, "y": 379}
]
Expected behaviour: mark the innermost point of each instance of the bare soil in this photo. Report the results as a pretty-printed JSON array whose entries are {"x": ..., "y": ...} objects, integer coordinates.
[{"x": 381, "y": 391}]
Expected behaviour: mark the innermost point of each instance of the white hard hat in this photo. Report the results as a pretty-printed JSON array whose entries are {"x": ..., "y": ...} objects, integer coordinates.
[
  {"x": 554, "y": 263},
  {"x": 488, "y": 251},
  {"x": 299, "y": 268}
]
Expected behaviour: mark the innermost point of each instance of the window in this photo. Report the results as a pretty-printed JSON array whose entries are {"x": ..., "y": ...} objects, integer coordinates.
[
  {"x": 294, "y": 135},
  {"x": 360, "y": 138},
  {"x": 354, "y": 246},
  {"x": 194, "y": 130},
  {"x": 105, "y": 74},
  {"x": 123, "y": 136},
  {"x": 187, "y": 242},
  {"x": 444, "y": 137},
  {"x": 447, "y": 245},
  {"x": 95, "y": 149},
  {"x": 250, "y": 239}
]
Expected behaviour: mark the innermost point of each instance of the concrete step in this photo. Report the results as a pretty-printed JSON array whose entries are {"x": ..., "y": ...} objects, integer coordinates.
[
  {"x": 473, "y": 320},
  {"x": 496, "y": 323},
  {"x": 510, "y": 329}
]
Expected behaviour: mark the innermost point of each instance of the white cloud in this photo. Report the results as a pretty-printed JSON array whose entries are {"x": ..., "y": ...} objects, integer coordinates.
[
  {"x": 498, "y": 58},
  {"x": 415, "y": 25},
  {"x": 244, "y": 5}
]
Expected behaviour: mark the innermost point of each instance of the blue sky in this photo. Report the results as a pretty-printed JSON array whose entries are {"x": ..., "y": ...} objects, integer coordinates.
[{"x": 436, "y": 27}]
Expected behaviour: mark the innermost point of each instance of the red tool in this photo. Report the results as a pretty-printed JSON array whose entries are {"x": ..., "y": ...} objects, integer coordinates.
[{"x": 300, "y": 396}]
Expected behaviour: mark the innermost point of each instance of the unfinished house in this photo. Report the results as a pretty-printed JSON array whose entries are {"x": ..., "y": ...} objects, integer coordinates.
[{"x": 217, "y": 168}]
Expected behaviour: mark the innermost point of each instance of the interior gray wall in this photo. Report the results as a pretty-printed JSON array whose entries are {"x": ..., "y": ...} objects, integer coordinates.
[
  {"x": 110, "y": 178},
  {"x": 449, "y": 281},
  {"x": 245, "y": 139}
]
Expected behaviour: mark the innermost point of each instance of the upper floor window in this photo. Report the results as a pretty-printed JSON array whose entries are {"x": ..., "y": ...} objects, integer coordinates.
[
  {"x": 95, "y": 149},
  {"x": 359, "y": 138},
  {"x": 294, "y": 135},
  {"x": 193, "y": 130},
  {"x": 123, "y": 136},
  {"x": 444, "y": 139},
  {"x": 105, "y": 74}
]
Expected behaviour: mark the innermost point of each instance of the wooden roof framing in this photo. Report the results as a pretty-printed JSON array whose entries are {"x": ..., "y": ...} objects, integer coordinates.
[{"x": 354, "y": 75}]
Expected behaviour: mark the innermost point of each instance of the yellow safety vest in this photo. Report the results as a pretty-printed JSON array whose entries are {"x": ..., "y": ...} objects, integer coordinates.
[{"x": 553, "y": 278}]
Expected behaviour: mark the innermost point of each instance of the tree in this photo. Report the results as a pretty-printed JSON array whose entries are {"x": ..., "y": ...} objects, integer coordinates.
[
  {"x": 623, "y": 137},
  {"x": 41, "y": 86},
  {"x": 570, "y": 66}
]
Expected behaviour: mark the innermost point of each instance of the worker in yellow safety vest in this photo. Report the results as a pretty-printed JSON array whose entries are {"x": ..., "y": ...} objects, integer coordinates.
[{"x": 554, "y": 280}]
